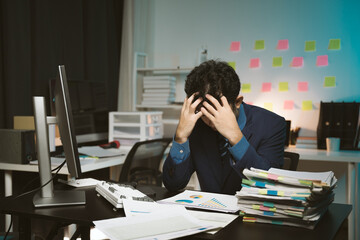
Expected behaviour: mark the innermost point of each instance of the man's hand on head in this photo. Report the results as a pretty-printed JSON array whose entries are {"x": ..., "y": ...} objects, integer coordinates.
[
  {"x": 188, "y": 118},
  {"x": 223, "y": 118}
]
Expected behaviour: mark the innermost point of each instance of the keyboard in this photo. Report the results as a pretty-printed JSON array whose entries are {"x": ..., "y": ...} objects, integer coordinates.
[{"x": 115, "y": 193}]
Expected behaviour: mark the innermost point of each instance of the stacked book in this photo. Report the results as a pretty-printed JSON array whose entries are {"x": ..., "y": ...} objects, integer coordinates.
[
  {"x": 306, "y": 142},
  {"x": 158, "y": 90},
  {"x": 285, "y": 197}
]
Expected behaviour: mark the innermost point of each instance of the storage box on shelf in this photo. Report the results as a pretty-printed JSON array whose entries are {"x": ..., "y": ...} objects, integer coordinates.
[{"x": 131, "y": 127}]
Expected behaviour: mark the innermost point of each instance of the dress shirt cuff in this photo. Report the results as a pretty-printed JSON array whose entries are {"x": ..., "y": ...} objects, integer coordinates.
[
  {"x": 179, "y": 152},
  {"x": 239, "y": 149}
]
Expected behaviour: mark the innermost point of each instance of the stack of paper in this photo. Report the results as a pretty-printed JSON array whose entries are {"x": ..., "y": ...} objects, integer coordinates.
[
  {"x": 158, "y": 90},
  {"x": 285, "y": 197}
]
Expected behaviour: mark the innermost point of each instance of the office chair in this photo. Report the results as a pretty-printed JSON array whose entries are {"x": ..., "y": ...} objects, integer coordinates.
[
  {"x": 143, "y": 161},
  {"x": 291, "y": 161}
]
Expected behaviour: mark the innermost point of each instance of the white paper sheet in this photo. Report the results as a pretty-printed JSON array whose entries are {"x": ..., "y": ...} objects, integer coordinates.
[{"x": 97, "y": 151}]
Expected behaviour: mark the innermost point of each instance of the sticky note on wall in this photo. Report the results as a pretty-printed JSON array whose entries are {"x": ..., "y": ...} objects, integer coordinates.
[
  {"x": 310, "y": 46},
  {"x": 266, "y": 87},
  {"x": 322, "y": 61},
  {"x": 232, "y": 64},
  {"x": 288, "y": 104},
  {"x": 254, "y": 63},
  {"x": 297, "y": 62},
  {"x": 283, "y": 86},
  {"x": 303, "y": 86},
  {"x": 277, "y": 62},
  {"x": 268, "y": 106},
  {"x": 306, "y": 105},
  {"x": 246, "y": 87},
  {"x": 283, "y": 44},
  {"x": 334, "y": 44},
  {"x": 259, "y": 45},
  {"x": 235, "y": 46},
  {"x": 330, "y": 81}
]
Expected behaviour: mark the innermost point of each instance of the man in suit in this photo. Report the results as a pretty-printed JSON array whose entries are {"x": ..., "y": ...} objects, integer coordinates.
[{"x": 219, "y": 135}]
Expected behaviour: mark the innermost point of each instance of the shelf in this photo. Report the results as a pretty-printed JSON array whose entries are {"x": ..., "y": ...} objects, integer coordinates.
[
  {"x": 135, "y": 124},
  {"x": 166, "y": 70},
  {"x": 172, "y": 106},
  {"x": 170, "y": 121}
]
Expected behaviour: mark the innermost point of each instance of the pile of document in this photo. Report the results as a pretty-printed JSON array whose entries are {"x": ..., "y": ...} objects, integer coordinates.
[
  {"x": 285, "y": 197},
  {"x": 158, "y": 90}
]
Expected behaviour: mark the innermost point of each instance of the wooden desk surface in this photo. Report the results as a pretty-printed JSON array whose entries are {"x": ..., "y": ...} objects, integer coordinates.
[{"x": 98, "y": 208}]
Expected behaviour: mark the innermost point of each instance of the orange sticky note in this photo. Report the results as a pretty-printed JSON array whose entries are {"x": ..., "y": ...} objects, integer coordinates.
[
  {"x": 235, "y": 46},
  {"x": 254, "y": 63},
  {"x": 283, "y": 44},
  {"x": 322, "y": 60},
  {"x": 266, "y": 87},
  {"x": 288, "y": 104},
  {"x": 297, "y": 62},
  {"x": 303, "y": 86}
]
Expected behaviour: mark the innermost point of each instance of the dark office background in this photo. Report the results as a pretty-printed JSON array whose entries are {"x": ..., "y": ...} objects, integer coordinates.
[{"x": 38, "y": 35}]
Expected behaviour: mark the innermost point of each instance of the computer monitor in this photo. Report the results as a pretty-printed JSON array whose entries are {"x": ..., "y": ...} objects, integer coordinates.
[{"x": 64, "y": 119}]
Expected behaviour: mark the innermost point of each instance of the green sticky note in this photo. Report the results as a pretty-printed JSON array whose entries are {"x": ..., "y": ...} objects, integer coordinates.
[
  {"x": 246, "y": 87},
  {"x": 283, "y": 86},
  {"x": 277, "y": 62},
  {"x": 306, "y": 105},
  {"x": 310, "y": 46},
  {"x": 334, "y": 44},
  {"x": 259, "y": 45},
  {"x": 330, "y": 81},
  {"x": 232, "y": 64},
  {"x": 268, "y": 106}
]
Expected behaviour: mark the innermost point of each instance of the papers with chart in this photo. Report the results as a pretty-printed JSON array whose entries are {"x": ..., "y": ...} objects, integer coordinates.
[
  {"x": 160, "y": 225},
  {"x": 204, "y": 200}
]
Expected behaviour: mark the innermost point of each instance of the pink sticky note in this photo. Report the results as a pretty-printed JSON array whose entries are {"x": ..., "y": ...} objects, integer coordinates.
[
  {"x": 249, "y": 103},
  {"x": 322, "y": 60},
  {"x": 288, "y": 104},
  {"x": 266, "y": 87},
  {"x": 297, "y": 62},
  {"x": 302, "y": 86},
  {"x": 283, "y": 44},
  {"x": 254, "y": 62},
  {"x": 235, "y": 46}
]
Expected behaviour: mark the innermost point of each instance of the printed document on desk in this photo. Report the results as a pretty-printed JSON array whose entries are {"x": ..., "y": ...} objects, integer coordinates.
[
  {"x": 97, "y": 151},
  {"x": 159, "y": 225},
  {"x": 204, "y": 200}
]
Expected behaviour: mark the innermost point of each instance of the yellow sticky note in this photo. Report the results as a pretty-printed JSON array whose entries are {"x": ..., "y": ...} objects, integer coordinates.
[
  {"x": 334, "y": 44},
  {"x": 310, "y": 46},
  {"x": 277, "y": 62},
  {"x": 268, "y": 106},
  {"x": 246, "y": 87},
  {"x": 306, "y": 105},
  {"x": 232, "y": 64},
  {"x": 330, "y": 81},
  {"x": 259, "y": 45},
  {"x": 283, "y": 86}
]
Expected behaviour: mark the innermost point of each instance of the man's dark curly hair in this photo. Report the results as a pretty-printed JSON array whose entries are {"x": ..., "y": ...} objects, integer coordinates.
[{"x": 213, "y": 77}]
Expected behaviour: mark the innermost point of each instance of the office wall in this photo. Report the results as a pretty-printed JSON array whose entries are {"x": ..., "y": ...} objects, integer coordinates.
[{"x": 182, "y": 28}]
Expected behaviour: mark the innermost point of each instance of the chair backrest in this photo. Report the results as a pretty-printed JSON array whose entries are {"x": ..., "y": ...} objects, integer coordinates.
[
  {"x": 291, "y": 160},
  {"x": 143, "y": 161}
]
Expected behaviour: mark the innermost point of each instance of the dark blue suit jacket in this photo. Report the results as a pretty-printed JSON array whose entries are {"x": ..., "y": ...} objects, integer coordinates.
[{"x": 265, "y": 132}]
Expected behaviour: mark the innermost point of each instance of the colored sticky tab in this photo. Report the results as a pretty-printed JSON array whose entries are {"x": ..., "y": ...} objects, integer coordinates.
[
  {"x": 310, "y": 46},
  {"x": 263, "y": 191},
  {"x": 232, "y": 64},
  {"x": 283, "y": 44},
  {"x": 303, "y": 86},
  {"x": 283, "y": 86},
  {"x": 268, "y": 204},
  {"x": 330, "y": 81},
  {"x": 277, "y": 62},
  {"x": 306, "y": 105},
  {"x": 334, "y": 44},
  {"x": 268, "y": 106},
  {"x": 297, "y": 62},
  {"x": 254, "y": 63},
  {"x": 272, "y": 192},
  {"x": 322, "y": 60},
  {"x": 266, "y": 87},
  {"x": 256, "y": 207},
  {"x": 272, "y": 176},
  {"x": 235, "y": 46},
  {"x": 246, "y": 87},
  {"x": 259, "y": 45},
  {"x": 288, "y": 104}
]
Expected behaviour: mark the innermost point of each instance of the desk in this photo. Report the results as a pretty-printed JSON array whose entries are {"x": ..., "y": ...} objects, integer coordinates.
[
  {"x": 100, "y": 163},
  {"x": 352, "y": 158},
  {"x": 97, "y": 208}
]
